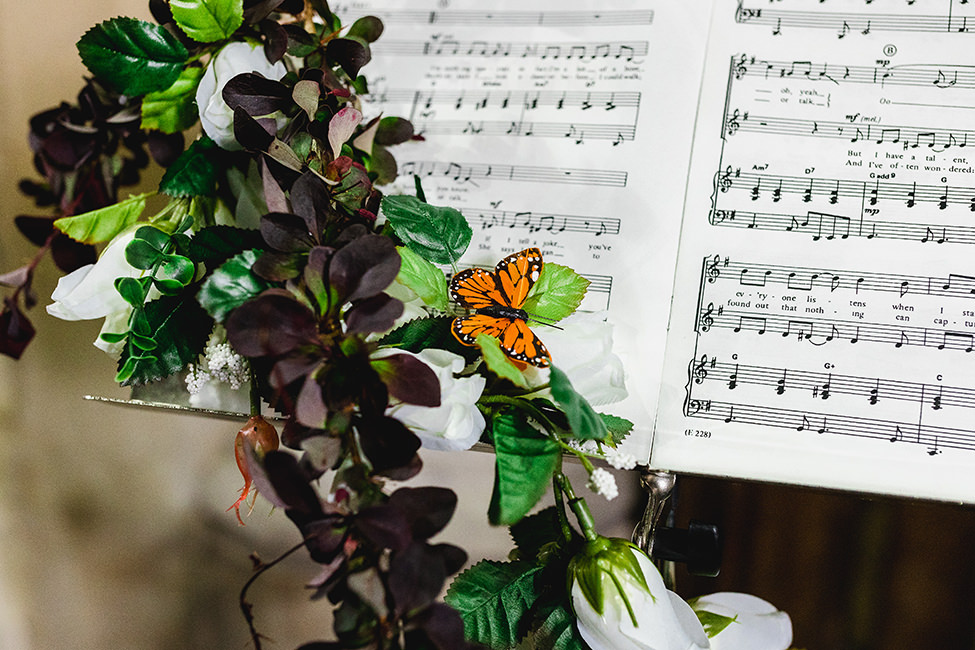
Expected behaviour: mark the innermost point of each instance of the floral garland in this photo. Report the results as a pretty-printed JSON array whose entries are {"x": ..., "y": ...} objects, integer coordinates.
[{"x": 269, "y": 262}]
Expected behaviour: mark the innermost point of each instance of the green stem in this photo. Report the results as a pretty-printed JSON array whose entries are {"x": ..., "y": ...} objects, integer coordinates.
[
  {"x": 560, "y": 509},
  {"x": 255, "y": 394},
  {"x": 579, "y": 508},
  {"x": 523, "y": 405}
]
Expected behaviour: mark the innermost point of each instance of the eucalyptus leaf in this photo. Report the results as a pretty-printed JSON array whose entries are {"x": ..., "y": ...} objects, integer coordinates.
[
  {"x": 103, "y": 224},
  {"x": 140, "y": 254},
  {"x": 134, "y": 56},
  {"x": 132, "y": 290},
  {"x": 207, "y": 21},
  {"x": 174, "y": 109},
  {"x": 437, "y": 234},
  {"x": 425, "y": 279}
]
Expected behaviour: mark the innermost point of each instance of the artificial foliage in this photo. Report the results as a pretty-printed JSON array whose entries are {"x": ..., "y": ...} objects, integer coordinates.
[{"x": 269, "y": 260}]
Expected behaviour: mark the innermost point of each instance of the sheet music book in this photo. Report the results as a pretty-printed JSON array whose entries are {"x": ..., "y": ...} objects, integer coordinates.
[{"x": 774, "y": 202}]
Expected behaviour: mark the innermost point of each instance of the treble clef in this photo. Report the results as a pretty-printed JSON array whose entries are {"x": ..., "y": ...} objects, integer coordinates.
[
  {"x": 731, "y": 127},
  {"x": 711, "y": 271},
  {"x": 707, "y": 319},
  {"x": 739, "y": 67},
  {"x": 699, "y": 370},
  {"x": 724, "y": 180}
]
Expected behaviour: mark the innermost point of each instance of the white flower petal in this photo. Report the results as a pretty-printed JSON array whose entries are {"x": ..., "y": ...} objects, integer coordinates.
[{"x": 759, "y": 625}]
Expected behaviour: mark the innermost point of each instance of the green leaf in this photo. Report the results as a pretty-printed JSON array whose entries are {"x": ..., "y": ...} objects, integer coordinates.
[
  {"x": 179, "y": 328},
  {"x": 524, "y": 462},
  {"x": 557, "y": 293},
  {"x": 535, "y": 531},
  {"x": 178, "y": 268},
  {"x": 425, "y": 279},
  {"x": 194, "y": 173},
  {"x": 555, "y": 629},
  {"x": 422, "y": 333},
  {"x": 231, "y": 285},
  {"x": 584, "y": 422},
  {"x": 439, "y": 235},
  {"x": 207, "y": 21},
  {"x": 134, "y": 56},
  {"x": 618, "y": 427},
  {"x": 140, "y": 254},
  {"x": 133, "y": 290},
  {"x": 103, "y": 224},
  {"x": 498, "y": 362},
  {"x": 173, "y": 109},
  {"x": 492, "y": 598},
  {"x": 713, "y": 623},
  {"x": 216, "y": 244},
  {"x": 368, "y": 28}
]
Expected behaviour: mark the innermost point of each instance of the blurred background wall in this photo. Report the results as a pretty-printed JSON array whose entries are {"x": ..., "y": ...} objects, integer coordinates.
[{"x": 113, "y": 525}]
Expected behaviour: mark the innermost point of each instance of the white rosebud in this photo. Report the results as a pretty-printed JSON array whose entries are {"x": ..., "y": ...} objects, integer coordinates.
[
  {"x": 89, "y": 292},
  {"x": 757, "y": 624},
  {"x": 621, "y": 603},
  {"x": 235, "y": 58},
  {"x": 582, "y": 348},
  {"x": 457, "y": 423}
]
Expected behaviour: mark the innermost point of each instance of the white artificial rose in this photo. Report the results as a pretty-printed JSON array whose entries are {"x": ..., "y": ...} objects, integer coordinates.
[
  {"x": 582, "y": 348},
  {"x": 663, "y": 621},
  {"x": 457, "y": 423},
  {"x": 757, "y": 624},
  {"x": 89, "y": 292},
  {"x": 235, "y": 58}
]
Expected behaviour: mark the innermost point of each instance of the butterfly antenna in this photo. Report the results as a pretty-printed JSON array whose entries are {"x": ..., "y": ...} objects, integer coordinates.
[{"x": 548, "y": 322}]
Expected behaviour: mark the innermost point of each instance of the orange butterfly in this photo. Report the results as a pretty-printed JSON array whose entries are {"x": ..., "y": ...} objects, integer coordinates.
[{"x": 497, "y": 299}]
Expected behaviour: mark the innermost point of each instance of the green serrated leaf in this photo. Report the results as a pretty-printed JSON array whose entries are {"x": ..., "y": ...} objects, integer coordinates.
[
  {"x": 422, "y": 333},
  {"x": 498, "y": 362},
  {"x": 535, "y": 531},
  {"x": 439, "y": 235},
  {"x": 134, "y": 56},
  {"x": 618, "y": 427},
  {"x": 491, "y": 598},
  {"x": 557, "y": 293},
  {"x": 425, "y": 279},
  {"x": 524, "y": 462},
  {"x": 180, "y": 329},
  {"x": 173, "y": 109},
  {"x": 103, "y": 224},
  {"x": 216, "y": 244},
  {"x": 194, "y": 173},
  {"x": 583, "y": 420},
  {"x": 207, "y": 21},
  {"x": 713, "y": 623},
  {"x": 231, "y": 285},
  {"x": 555, "y": 629}
]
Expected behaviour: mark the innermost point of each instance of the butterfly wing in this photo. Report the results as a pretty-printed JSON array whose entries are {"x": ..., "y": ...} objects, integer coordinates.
[
  {"x": 516, "y": 338},
  {"x": 516, "y": 274},
  {"x": 475, "y": 289}
]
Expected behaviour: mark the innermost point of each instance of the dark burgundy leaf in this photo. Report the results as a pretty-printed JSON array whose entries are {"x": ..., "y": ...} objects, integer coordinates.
[
  {"x": 256, "y": 12},
  {"x": 322, "y": 645},
  {"x": 160, "y": 11},
  {"x": 292, "y": 368},
  {"x": 286, "y": 233},
  {"x": 16, "y": 330},
  {"x": 276, "y": 39},
  {"x": 428, "y": 509},
  {"x": 375, "y": 314},
  {"x": 35, "y": 229},
  {"x": 350, "y": 54},
  {"x": 70, "y": 255},
  {"x": 293, "y": 7},
  {"x": 273, "y": 324},
  {"x": 441, "y": 626},
  {"x": 323, "y": 537},
  {"x": 384, "y": 526},
  {"x": 273, "y": 194},
  {"x": 298, "y": 39},
  {"x": 291, "y": 485},
  {"x": 393, "y": 130},
  {"x": 322, "y": 453},
  {"x": 310, "y": 409},
  {"x": 387, "y": 443},
  {"x": 283, "y": 176},
  {"x": 251, "y": 133},
  {"x": 256, "y": 94},
  {"x": 310, "y": 201},
  {"x": 165, "y": 148},
  {"x": 364, "y": 267},
  {"x": 416, "y": 576},
  {"x": 67, "y": 150},
  {"x": 408, "y": 379},
  {"x": 454, "y": 557}
]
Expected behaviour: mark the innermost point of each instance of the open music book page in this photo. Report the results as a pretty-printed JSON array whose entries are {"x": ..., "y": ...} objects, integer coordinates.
[
  {"x": 824, "y": 314},
  {"x": 565, "y": 126}
]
